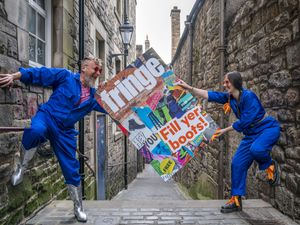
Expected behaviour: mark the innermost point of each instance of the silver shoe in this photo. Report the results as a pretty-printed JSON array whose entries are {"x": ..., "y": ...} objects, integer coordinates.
[
  {"x": 76, "y": 197},
  {"x": 22, "y": 165}
]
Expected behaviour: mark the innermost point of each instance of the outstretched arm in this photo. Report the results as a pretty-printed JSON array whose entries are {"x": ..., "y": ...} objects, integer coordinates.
[
  {"x": 40, "y": 76},
  {"x": 44, "y": 76},
  {"x": 195, "y": 91},
  {"x": 212, "y": 96}
]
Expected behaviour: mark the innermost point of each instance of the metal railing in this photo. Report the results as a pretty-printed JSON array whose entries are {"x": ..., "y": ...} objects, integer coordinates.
[{"x": 10, "y": 129}]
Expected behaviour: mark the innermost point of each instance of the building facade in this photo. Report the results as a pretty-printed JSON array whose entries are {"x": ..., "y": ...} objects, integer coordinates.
[
  {"x": 260, "y": 39},
  {"x": 39, "y": 33}
]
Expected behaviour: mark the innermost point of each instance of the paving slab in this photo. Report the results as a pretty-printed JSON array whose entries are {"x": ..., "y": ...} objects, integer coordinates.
[
  {"x": 177, "y": 212},
  {"x": 150, "y": 186},
  {"x": 149, "y": 200}
]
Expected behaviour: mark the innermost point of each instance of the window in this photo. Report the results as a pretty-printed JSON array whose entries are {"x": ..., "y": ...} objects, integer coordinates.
[
  {"x": 118, "y": 65},
  {"x": 100, "y": 53},
  {"x": 119, "y": 8},
  {"x": 39, "y": 32}
]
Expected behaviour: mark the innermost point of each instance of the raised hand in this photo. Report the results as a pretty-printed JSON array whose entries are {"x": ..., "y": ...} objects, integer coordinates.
[
  {"x": 217, "y": 134},
  {"x": 101, "y": 86}
]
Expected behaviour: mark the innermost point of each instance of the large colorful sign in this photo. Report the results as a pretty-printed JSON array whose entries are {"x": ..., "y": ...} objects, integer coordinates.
[{"x": 163, "y": 121}]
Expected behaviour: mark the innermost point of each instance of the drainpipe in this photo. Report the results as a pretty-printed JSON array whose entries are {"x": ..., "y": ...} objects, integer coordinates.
[
  {"x": 125, "y": 137},
  {"x": 221, "y": 121},
  {"x": 190, "y": 25},
  {"x": 81, "y": 122}
]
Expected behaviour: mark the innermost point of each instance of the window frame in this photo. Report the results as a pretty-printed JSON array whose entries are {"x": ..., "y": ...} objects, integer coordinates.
[{"x": 47, "y": 14}]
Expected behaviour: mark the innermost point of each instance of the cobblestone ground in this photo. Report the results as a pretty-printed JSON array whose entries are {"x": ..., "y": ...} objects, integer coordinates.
[{"x": 149, "y": 200}]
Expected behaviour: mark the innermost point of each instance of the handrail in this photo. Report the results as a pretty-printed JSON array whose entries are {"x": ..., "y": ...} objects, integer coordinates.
[{"x": 8, "y": 129}]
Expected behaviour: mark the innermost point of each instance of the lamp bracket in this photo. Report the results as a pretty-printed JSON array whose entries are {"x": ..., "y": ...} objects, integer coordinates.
[
  {"x": 111, "y": 56},
  {"x": 114, "y": 55}
]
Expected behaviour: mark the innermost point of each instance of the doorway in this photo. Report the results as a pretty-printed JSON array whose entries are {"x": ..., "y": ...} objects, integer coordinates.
[{"x": 101, "y": 155}]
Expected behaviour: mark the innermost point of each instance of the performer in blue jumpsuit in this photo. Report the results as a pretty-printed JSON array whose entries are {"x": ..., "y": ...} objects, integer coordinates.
[
  {"x": 72, "y": 98},
  {"x": 261, "y": 133}
]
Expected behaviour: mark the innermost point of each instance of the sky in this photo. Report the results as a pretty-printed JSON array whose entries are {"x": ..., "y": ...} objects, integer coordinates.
[{"x": 153, "y": 19}]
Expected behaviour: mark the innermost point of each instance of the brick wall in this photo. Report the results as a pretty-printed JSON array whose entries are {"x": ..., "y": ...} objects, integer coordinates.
[{"x": 262, "y": 42}]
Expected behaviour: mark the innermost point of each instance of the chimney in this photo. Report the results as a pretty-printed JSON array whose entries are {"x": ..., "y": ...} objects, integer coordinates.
[
  {"x": 139, "y": 50},
  {"x": 175, "y": 28},
  {"x": 147, "y": 43}
]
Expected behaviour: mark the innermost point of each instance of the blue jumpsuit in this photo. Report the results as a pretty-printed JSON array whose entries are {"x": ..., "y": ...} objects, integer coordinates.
[
  {"x": 261, "y": 134},
  {"x": 55, "y": 120}
]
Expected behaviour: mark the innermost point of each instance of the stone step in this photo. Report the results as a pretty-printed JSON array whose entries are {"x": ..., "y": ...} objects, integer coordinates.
[{"x": 251, "y": 203}]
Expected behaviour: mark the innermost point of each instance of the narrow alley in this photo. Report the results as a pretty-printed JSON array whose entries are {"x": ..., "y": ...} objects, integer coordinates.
[
  {"x": 120, "y": 112},
  {"x": 149, "y": 200}
]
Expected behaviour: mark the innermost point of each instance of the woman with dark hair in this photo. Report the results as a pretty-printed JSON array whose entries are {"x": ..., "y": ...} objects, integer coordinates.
[{"x": 261, "y": 133}]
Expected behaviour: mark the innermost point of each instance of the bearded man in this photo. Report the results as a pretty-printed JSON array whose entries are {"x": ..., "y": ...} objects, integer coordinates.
[{"x": 72, "y": 98}]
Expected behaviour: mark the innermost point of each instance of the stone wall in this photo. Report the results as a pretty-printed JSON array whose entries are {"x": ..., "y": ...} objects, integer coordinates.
[
  {"x": 104, "y": 12},
  {"x": 43, "y": 180},
  {"x": 204, "y": 167},
  {"x": 263, "y": 43}
]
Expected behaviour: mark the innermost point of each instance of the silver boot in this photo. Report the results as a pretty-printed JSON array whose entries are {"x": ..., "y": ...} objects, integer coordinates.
[
  {"x": 76, "y": 196},
  {"x": 22, "y": 165}
]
